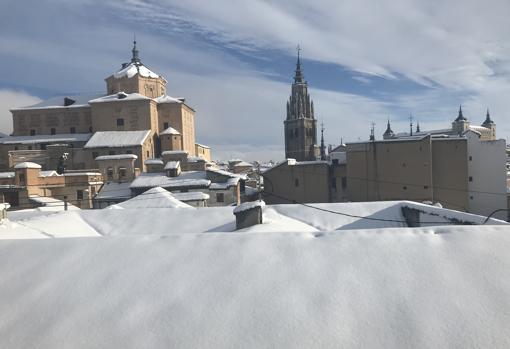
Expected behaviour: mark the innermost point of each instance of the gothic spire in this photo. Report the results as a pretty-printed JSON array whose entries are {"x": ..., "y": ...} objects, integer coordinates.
[
  {"x": 460, "y": 117},
  {"x": 323, "y": 148},
  {"x": 488, "y": 120},
  {"x": 135, "y": 58},
  {"x": 389, "y": 132},
  {"x": 417, "y": 126},
  {"x": 298, "y": 78}
]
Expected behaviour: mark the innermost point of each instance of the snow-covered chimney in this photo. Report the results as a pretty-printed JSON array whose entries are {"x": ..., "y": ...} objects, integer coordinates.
[{"x": 248, "y": 214}]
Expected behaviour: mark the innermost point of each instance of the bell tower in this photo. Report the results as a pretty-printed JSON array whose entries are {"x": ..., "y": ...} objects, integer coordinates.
[{"x": 300, "y": 124}]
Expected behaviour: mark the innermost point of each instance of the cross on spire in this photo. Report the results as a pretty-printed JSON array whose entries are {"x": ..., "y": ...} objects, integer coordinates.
[
  {"x": 299, "y": 74},
  {"x": 135, "y": 58}
]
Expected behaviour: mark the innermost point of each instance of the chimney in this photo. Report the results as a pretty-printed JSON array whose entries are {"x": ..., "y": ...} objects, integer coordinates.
[{"x": 248, "y": 214}]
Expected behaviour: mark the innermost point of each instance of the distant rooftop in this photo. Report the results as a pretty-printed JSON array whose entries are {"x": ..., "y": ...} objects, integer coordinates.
[{"x": 114, "y": 139}]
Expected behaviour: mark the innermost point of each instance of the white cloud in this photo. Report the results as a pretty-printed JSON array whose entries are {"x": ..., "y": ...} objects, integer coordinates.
[
  {"x": 240, "y": 110},
  {"x": 11, "y": 99}
]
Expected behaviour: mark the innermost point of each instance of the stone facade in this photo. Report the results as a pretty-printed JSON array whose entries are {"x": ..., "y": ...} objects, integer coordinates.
[
  {"x": 300, "y": 125},
  {"x": 136, "y": 100}
]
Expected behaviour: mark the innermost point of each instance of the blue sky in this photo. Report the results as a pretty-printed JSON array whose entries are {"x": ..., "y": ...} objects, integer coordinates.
[{"x": 365, "y": 61}]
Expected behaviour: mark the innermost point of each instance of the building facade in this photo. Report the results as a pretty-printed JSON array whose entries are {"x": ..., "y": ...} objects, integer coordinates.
[
  {"x": 136, "y": 100},
  {"x": 464, "y": 173}
]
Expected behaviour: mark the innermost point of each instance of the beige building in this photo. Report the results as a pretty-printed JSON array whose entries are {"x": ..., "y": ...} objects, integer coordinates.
[
  {"x": 136, "y": 100},
  {"x": 305, "y": 182},
  {"x": 464, "y": 173},
  {"x": 27, "y": 187}
]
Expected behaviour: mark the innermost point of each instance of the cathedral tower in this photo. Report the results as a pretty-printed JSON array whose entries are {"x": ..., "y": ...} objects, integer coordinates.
[{"x": 300, "y": 125}]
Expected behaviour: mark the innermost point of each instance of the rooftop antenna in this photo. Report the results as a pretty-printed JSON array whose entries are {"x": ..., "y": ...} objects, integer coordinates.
[{"x": 411, "y": 124}]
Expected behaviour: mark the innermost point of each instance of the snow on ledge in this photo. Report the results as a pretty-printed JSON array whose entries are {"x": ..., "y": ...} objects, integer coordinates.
[
  {"x": 153, "y": 162},
  {"x": 27, "y": 164},
  {"x": 249, "y": 205},
  {"x": 117, "y": 157}
]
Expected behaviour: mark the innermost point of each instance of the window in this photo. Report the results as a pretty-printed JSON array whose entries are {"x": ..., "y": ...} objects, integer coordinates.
[
  {"x": 90, "y": 129},
  {"x": 15, "y": 148},
  {"x": 296, "y": 182},
  {"x": 470, "y": 158},
  {"x": 148, "y": 153},
  {"x": 22, "y": 178},
  {"x": 73, "y": 129},
  {"x": 120, "y": 122},
  {"x": 122, "y": 172},
  {"x": 470, "y": 178},
  {"x": 109, "y": 173},
  {"x": 111, "y": 152},
  {"x": 165, "y": 125},
  {"x": 29, "y": 147},
  {"x": 333, "y": 183},
  {"x": 344, "y": 182},
  {"x": 95, "y": 154},
  {"x": 79, "y": 194},
  {"x": 32, "y": 132},
  {"x": 220, "y": 197},
  {"x": 53, "y": 131},
  {"x": 129, "y": 151},
  {"x": 404, "y": 187}
]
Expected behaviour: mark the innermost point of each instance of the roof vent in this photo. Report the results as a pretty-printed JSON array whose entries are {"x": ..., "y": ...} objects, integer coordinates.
[
  {"x": 121, "y": 95},
  {"x": 68, "y": 102}
]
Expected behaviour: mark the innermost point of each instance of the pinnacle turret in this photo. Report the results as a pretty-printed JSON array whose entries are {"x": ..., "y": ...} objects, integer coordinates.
[
  {"x": 460, "y": 117},
  {"x": 488, "y": 120},
  {"x": 135, "y": 58}
]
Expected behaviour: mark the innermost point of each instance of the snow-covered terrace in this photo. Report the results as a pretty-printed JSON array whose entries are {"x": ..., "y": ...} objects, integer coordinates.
[{"x": 178, "y": 277}]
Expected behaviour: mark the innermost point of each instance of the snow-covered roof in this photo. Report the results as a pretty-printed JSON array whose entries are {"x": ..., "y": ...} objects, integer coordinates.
[
  {"x": 249, "y": 205},
  {"x": 117, "y": 157},
  {"x": 115, "y": 139},
  {"x": 172, "y": 165},
  {"x": 174, "y": 152},
  {"x": 479, "y": 128},
  {"x": 195, "y": 159},
  {"x": 82, "y": 173},
  {"x": 77, "y": 101},
  {"x": 48, "y": 173},
  {"x": 226, "y": 173},
  {"x": 71, "y": 137},
  {"x": 311, "y": 162},
  {"x": 153, "y": 198},
  {"x": 187, "y": 179},
  {"x": 368, "y": 288},
  {"x": 114, "y": 190},
  {"x": 170, "y": 131},
  {"x": 231, "y": 182},
  {"x": 243, "y": 164},
  {"x": 203, "y": 146},
  {"x": 27, "y": 164},
  {"x": 153, "y": 162},
  {"x": 119, "y": 97},
  {"x": 191, "y": 196},
  {"x": 135, "y": 68},
  {"x": 4, "y": 175},
  {"x": 168, "y": 99}
]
